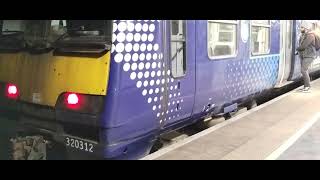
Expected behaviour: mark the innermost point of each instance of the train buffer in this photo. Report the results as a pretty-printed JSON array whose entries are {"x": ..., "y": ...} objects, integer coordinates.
[{"x": 286, "y": 127}]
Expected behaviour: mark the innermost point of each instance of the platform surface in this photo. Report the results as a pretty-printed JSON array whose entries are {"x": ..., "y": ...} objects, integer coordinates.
[
  {"x": 307, "y": 147},
  {"x": 286, "y": 127}
]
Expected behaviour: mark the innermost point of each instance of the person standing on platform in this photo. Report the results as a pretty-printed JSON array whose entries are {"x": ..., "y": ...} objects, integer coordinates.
[{"x": 307, "y": 52}]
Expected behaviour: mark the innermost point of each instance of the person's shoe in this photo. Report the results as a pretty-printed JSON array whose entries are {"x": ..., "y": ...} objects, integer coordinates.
[
  {"x": 301, "y": 89},
  {"x": 306, "y": 89}
]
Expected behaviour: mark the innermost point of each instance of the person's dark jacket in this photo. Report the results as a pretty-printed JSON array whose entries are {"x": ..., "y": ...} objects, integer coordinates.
[{"x": 306, "y": 47}]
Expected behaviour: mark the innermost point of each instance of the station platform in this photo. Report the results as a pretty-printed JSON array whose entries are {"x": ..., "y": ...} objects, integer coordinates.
[{"x": 286, "y": 127}]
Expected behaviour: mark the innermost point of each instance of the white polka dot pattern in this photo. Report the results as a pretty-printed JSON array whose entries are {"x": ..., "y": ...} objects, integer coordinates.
[
  {"x": 250, "y": 76},
  {"x": 138, "y": 50}
]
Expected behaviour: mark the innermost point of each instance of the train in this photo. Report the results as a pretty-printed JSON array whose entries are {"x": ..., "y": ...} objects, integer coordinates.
[{"x": 108, "y": 89}]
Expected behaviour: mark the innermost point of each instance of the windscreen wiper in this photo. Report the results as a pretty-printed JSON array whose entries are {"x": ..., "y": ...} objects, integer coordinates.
[
  {"x": 11, "y": 33},
  {"x": 45, "y": 46}
]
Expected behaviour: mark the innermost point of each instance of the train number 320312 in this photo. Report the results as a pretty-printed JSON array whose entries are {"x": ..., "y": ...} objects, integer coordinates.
[{"x": 79, "y": 144}]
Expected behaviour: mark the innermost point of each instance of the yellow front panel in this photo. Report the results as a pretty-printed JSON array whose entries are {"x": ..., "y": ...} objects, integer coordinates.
[{"x": 42, "y": 78}]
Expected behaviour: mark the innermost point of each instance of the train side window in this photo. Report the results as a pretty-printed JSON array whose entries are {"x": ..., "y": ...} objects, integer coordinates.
[
  {"x": 260, "y": 37},
  {"x": 222, "y": 38},
  {"x": 178, "y": 48}
]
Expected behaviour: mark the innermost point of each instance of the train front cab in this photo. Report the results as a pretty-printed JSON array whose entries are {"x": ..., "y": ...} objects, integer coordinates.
[
  {"x": 96, "y": 89},
  {"x": 54, "y": 77}
]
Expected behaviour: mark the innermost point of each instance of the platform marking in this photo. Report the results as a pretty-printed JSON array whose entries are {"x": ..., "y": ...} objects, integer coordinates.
[{"x": 276, "y": 154}]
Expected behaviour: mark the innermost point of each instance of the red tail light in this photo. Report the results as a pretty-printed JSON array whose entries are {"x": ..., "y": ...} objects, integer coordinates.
[
  {"x": 73, "y": 99},
  {"x": 12, "y": 91},
  {"x": 83, "y": 103}
]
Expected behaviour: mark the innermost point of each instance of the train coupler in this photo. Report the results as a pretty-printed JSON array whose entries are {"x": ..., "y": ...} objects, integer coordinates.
[{"x": 29, "y": 148}]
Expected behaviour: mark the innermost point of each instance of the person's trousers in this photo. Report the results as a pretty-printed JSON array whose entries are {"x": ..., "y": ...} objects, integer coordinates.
[{"x": 305, "y": 65}]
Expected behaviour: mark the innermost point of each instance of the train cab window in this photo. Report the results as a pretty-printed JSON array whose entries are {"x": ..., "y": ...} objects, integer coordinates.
[
  {"x": 11, "y": 25},
  {"x": 222, "y": 38},
  {"x": 15, "y": 34},
  {"x": 178, "y": 48},
  {"x": 260, "y": 37},
  {"x": 84, "y": 29},
  {"x": 58, "y": 28}
]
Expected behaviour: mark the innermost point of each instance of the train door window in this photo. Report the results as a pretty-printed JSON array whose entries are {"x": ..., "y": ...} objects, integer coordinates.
[
  {"x": 222, "y": 38},
  {"x": 260, "y": 37},
  {"x": 178, "y": 48}
]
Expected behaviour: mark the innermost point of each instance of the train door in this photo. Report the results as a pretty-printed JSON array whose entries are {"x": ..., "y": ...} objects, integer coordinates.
[
  {"x": 286, "y": 52},
  {"x": 181, "y": 64}
]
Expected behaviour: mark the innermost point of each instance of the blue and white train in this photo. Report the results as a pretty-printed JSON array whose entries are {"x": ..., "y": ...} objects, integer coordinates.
[{"x": 167, "y": 74}]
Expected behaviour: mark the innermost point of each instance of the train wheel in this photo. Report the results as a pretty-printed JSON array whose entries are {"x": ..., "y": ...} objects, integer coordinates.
[
  {"x": 252, "y": 104},
  {"x": 200, "y": 125},
  {"x": 227, "y": 116},
  {"x": 156, "y": 146},
  {"x": 29, "y": 148}
]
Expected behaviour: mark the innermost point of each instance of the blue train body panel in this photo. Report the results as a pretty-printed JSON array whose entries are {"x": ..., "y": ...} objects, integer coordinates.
[
  {"x": 144, "y": 100},
  {"x": 223, "y": 81}
]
